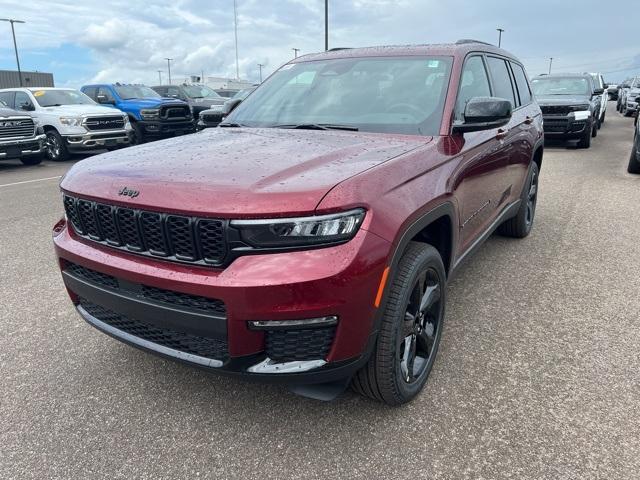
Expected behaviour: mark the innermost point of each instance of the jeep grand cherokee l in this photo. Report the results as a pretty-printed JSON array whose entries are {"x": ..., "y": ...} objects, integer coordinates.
[
  {"x": 309, "y": 238},
  {"x": 570, "y": 105}
]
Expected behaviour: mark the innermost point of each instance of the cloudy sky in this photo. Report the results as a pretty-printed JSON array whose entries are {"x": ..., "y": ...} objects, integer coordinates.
[{"x": 104, "y": 40}]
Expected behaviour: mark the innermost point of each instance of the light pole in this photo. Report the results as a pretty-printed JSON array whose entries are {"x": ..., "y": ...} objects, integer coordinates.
[
  {"x": 159, "y": 77},
  {"x": 550, "y": 62},
  {"x": 169, "y": 68},
  {"x": 260, "y": 65},
  {"x": 326, "y": 25},
  {"x": 295, "y": 52},
  {"x": 15, "y": 46},
  {"x": 235, "y": 28},
  {"x": 500, "y": 30}
]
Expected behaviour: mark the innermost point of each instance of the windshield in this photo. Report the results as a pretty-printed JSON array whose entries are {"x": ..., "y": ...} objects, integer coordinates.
[
  {"x": 561, "y": 86},
  {"x": 54, "y": 98},
  {"x": 381, "y": 94},
  {"x": 242, "y": 94},
  {"x": 200, "y": 91},
  {"x": 127, "y": 92}
]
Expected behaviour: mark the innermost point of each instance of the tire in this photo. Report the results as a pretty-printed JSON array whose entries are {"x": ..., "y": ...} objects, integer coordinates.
[
  {"x": 594, "y": 128},
  {"x": 56, "y": 147},
  {"x": 403, "y": 333},
  {"x": 585, "y": 141},
  {"x": 521, "y": 225},
  {"x": 32, "y": 159},
  {"x": 137, "y": 135},
  {"x": 634, "y": 161},
  {"x": 602, "y": 119}
]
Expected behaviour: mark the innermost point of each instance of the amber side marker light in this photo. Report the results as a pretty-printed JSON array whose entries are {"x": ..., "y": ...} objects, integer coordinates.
[{"x": 383, "y": 282}]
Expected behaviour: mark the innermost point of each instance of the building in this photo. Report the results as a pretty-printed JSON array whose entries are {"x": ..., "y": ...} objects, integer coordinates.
[
  {"x": 10, "y": 79},
  {"x": 221, "y": 83}
]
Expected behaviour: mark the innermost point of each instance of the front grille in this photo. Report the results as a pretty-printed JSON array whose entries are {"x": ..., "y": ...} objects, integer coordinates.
[
  {"x": 211, "y": 118},
  {"x": 154, "y": 294},
  {"x": 555, "y": 125},
  {"x": 175, "y": 112},
  {"x": 104, "y": 123},
  {"x": 299, "y": 345},
  {"x": 17, "y": 128},
  {"x": 173, "y": 237},
  {"x": 183, "y": 342},
  {"x": 555, "y": 109}
]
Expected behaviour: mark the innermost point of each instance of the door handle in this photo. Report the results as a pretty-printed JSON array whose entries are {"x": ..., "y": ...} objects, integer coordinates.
[
  {"x": 528, "y": 120},
  {"x": 502, "y": 133}
]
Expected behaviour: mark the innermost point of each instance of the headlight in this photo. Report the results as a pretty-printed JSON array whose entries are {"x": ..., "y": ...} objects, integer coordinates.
[
  {"x": 577, "y": 108},
  {"x": 582, "y": 115},
  {"x": 298, "y": 232},
  {"x": 126, "y": 120},
  {"x": 150, "y": 114},
  {"x": 71, "y": 121}
]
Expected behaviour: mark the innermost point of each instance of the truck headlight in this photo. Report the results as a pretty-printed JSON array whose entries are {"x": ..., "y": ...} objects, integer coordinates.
[
  {"x": 71, "y": 121},
  {"x": 126, "y": 120},
  {"x": 582, "y": 115},
  {"x": 300, "y": 232},
  {"x": 150, "y": 114}
]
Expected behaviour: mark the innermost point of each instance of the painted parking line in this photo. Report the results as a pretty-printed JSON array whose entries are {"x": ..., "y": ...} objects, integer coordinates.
[{"x": 29, "y": 181}]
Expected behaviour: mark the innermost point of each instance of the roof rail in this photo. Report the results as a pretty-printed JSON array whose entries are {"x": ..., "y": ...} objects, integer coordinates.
[{"x": 464, "y": 41}]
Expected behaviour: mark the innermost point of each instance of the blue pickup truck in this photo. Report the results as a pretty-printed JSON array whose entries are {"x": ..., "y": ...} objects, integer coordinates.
[{"x": 151, "y": 115}]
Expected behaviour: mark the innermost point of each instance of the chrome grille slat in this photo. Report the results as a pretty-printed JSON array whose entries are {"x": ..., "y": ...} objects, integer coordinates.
[
  {"x": 17, "y": 128},
  {"x": 177, "y": 238}
]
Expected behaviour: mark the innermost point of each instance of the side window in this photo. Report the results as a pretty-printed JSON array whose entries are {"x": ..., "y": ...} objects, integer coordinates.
[
  {"x": 521, "y": 82},
  {"x": 23, "y": 102},
  {"x": 473, "y": 83},
  {"x": 502, "y": 87},
  {"x": 7, "y": 98},
  {"x": 90, "y": 92},
  {"x": 173, "y": 92},
  {"x": 104, "y": 95}
]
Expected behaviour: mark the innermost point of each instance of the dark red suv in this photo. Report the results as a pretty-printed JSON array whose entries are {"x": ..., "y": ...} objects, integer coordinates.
[{"x": 308, "y": 239}]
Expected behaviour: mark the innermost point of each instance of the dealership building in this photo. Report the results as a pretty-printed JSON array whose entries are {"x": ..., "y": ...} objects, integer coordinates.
[{"x": 10, "y": 79}]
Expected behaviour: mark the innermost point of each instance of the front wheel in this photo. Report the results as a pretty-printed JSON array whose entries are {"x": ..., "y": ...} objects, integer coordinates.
[
  {"x": 410, "y": 332},
  {"x": 56, "y": 147},
  {"x": 137, "y": 134}
]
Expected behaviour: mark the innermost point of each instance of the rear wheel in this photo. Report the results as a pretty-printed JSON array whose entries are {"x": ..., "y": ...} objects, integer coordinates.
[
  {"x": 410, "y": 332},
  {"x": 32, "y": 159},
  {"x": 634, "y": 161},
  {"x": 56, "y": 147},
  {"x": 520, "y": 226}
]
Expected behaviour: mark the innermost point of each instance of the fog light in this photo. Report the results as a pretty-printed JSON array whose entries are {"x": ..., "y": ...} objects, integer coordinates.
[{"x": 289, "y": 324}]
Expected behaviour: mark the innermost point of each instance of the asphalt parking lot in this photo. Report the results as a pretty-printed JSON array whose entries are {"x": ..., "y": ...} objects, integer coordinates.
[{"x": 537, "y": 374}]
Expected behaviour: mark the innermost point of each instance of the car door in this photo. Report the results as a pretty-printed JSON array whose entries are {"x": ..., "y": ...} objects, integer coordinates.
[{"x": 482, "y": 184}]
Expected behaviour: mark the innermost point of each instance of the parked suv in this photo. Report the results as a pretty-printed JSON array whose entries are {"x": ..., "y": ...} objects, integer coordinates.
[
  {"x": 629, "y": 94},
  {"x": 70, "y": 119},
  {"x": 214, "y": 115},
  {"x": 199, "y": 97},
  {"x": 151, "y": 116},
  {"x": 570, "y": 105},
  {"x": 20, "y": 136},
  {"x": 309, "y": 238}
]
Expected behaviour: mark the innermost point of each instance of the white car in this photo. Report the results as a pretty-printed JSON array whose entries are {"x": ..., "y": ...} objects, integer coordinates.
[
  {"x": 70, "y": 119},
  {"x": 598, "y": 82}
]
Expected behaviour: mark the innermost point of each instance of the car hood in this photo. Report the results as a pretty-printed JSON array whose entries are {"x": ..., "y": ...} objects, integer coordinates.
[
  {"x": 235, "y": 172},
  {"x": 8, "y": 112},
  {"x": 562, "y": 99},
  {"x": 153, "y": 102},
  {"x": 79, "y": 110}
]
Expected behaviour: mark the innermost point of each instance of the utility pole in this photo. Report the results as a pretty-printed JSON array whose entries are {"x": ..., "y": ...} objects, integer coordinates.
[
  {"x": 295, "y": 52},
  {"x": 159, "y": 77},
  {"x": 15, "y": 45},
  {"x": 326, "y": 25},
  {"x": 550, "y": 62},
  {"x": 202, "y": 77},
  {"x": 235, "y": 22},
  {"x": 260, "y": 65},
  {"x": 169, "y": 68},
  {"x": 500, "y": 30}
]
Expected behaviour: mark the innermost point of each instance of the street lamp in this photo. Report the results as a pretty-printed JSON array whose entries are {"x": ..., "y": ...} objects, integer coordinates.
[
  {"x": 326, "y": 25},
  {"x": 169, "y": 68},
  {"x": 159, "y": 77},
  {"x": 15, "y": 46},
  {"x": 500, "y": 30},
  {"x": 550, "y": 62},
  {"x": 260, "y": 65},
  {"x": 295, "y": 52},
  {"x": 235, "y": 28}
]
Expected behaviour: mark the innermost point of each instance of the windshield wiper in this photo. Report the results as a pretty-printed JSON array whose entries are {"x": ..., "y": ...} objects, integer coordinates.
[
  {"x": 318, "y": 126},
  {"x": 54, "y": 105}
]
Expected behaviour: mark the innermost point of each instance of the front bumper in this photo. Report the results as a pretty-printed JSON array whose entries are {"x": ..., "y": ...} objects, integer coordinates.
[
  {"x": 98, "y": 139},
  {"x": 277, "y": 286},
  {"x": 21, "y": 147},
  {"x": 632, "y": 106},
  {"x": 565, "y": 127},
  {"x": 166, "y": 128}
]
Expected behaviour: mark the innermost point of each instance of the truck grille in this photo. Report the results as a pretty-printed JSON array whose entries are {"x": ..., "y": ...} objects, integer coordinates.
[
  {"x": 175, "y": 112},
  {"x": 17, "y": 128},
  {"x": 162, "y": 235},
  {"x": 558, "y": 125},
  {"x": 555, "y": 109},
  {"x": 183, "y": 342},
  {"x": 104, "y": 123}
]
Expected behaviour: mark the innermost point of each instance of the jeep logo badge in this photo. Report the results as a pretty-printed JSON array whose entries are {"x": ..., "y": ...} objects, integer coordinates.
[{"x": 128, "y": 193}]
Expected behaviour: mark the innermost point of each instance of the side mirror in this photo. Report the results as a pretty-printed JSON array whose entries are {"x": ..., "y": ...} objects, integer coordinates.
[
  {"x": 484, "y": 113},
  {"x": 173, "y": 95},
  {"x": 598, "y": 91},
  {"x": 104, "y": 100},
  {"x": 606, "y": 85},
  {"x": 27, "y": 107},
  {"x": 229, "y": 106}
]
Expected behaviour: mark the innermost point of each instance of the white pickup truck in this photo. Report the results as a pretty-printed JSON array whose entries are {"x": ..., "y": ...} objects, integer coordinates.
[{"x": 71, "y": 120}]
